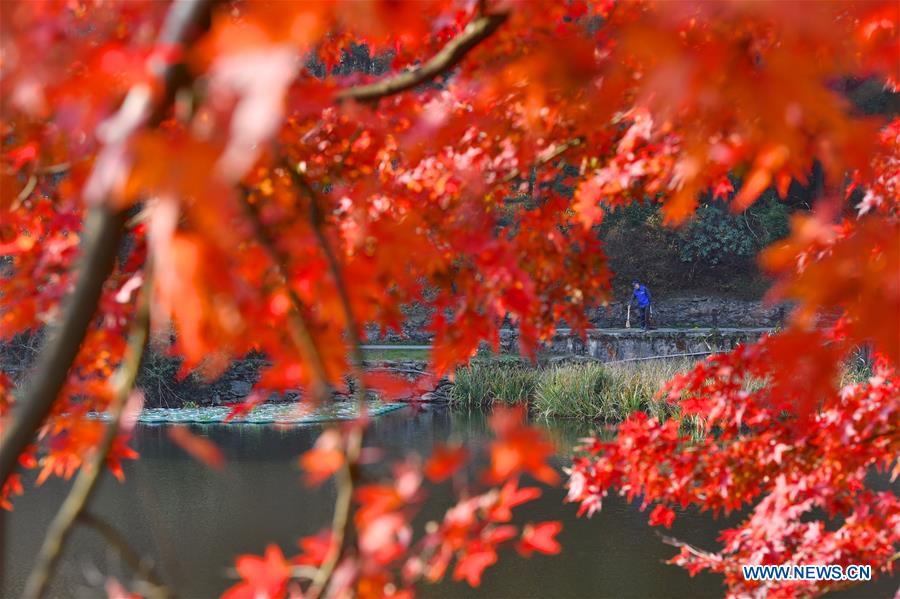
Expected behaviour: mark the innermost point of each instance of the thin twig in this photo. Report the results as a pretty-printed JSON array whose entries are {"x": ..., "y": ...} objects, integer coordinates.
[
  {"x": 346, "y": 477},
  {"x": 86, "y": 482},
  {"x": 116, "y": 540},
  {"x": 749, "y": 228},
  {"x": 687, "y": 546},
  {"x": 55, "y": 169},
  {"x": 448, "y": 57},
  {"x": 891, "y": 431},
  {"x": 334, "y": 268},
  {"x": 548, "y": 155},
  {"x": 299, "y": 329},
  {"x": 26, "y": 191},
  {"x": 298, "y": 572}
]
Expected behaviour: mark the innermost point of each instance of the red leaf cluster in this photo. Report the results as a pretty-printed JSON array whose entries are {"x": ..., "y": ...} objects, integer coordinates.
[
  {"x": 386, "y": 558},
  {"x": 271, "y": 201},
  {"x": 761, "y": 452}
]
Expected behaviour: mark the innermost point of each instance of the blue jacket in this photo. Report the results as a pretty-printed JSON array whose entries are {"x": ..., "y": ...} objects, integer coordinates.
[{"x": 641, "y": 296}]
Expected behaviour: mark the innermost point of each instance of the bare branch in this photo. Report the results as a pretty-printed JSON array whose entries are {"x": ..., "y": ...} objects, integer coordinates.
[
  {"x": 891, "y": 431},
  {"x": 116, "y": 540},
  {"x": 298, "y": 572},
  {"x": 26, "y": 191},
  {"x": 690, "y": 548},
  {"x": 548, "y": 155},
  {"x": 449, "y": 56},
  {"x": 86, "y": 482},
  {"x": 103, "y": 231},
  {"x": 346, "y": 478},
  {"x": 334, "y": 268},
  {"x": 55, "y": 169}
]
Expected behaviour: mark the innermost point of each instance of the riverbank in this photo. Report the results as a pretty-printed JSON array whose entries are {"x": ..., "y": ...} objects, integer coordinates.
[{"x": 605, "y": 378}]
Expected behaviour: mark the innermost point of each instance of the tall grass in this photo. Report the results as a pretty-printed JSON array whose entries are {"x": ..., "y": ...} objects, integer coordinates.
[
  {"x": 485, "y": 384},
  {"x": 590, "y": 390},
  {"x": 636, "y": 385},
  {"x": 605, "y": 391},
  {"x": 574, "y": 390},
  {"x": 856, "y": 369}
]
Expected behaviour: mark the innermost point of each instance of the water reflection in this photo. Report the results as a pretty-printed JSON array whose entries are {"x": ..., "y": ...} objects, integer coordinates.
[{"x": 194, "y": 520}]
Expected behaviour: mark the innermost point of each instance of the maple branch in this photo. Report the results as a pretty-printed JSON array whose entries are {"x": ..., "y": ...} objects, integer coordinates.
[
  {"x": 33, "y": 180},
  {"x": 103, "y": 231},
  {"x": 335, "y": 270},
  {"x": 892, "y": 431},
  {"x": 26, "y": 191},
  {"x": 299, "y": 328},
  {"x": 118, "y": 541},
  {"x": 687, "y": 546},
  {"x": 448, "y": 57},
  {"x": 55, "y": 169},
  {"x": 346, "y": 477},
  {"x": 845, "y": 584},
  {"x": 299, "y": 572},
  {"x": 86, "y": 482},
  {"x": 548, "y": 155}
]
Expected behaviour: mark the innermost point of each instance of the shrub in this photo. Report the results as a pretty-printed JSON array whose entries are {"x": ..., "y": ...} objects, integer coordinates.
[
  {"x": 713, "y": 236},
  {"x": 713, "y": 252}
]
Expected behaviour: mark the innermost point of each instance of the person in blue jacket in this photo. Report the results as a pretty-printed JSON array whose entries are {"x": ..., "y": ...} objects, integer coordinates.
[{"x": 641, "y": 297}]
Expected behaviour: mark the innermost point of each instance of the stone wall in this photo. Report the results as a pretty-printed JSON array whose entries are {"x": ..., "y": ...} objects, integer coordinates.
[
  {"x": 690, "y": 312},
  {"x": 610, "y": 346},
  {"x": 684, "y": 312},
  {"x": 628, "y": 344}
]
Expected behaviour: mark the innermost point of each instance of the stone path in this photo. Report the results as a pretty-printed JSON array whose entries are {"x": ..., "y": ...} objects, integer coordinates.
[
  {"x": 395, "y": 346},
  {"x": 670, "y": 330},
  {"x": 564, "y": 332}
]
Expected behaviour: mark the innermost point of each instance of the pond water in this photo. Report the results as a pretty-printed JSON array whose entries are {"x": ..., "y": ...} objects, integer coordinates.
[{"x": 194, "y": 521}]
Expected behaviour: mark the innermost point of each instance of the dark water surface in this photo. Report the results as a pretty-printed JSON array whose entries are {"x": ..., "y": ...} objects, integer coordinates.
[{"x": 194, "y": 521}]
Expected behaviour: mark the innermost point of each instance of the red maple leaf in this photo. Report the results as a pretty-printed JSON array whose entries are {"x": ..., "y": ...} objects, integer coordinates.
[
  {"x": 473, "y": 563},
  {"x": 324, "y": 459},
  {"x": 519, "y": 448},
  {"x": 444, "y": 461},
  {"x": 261, "y": 576},
  {"x": 198, "y": 447},
  {"x": 541, "y": 538},
  {"x": 314, "y": 549},
  {"x": 662, "y": 515}
]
